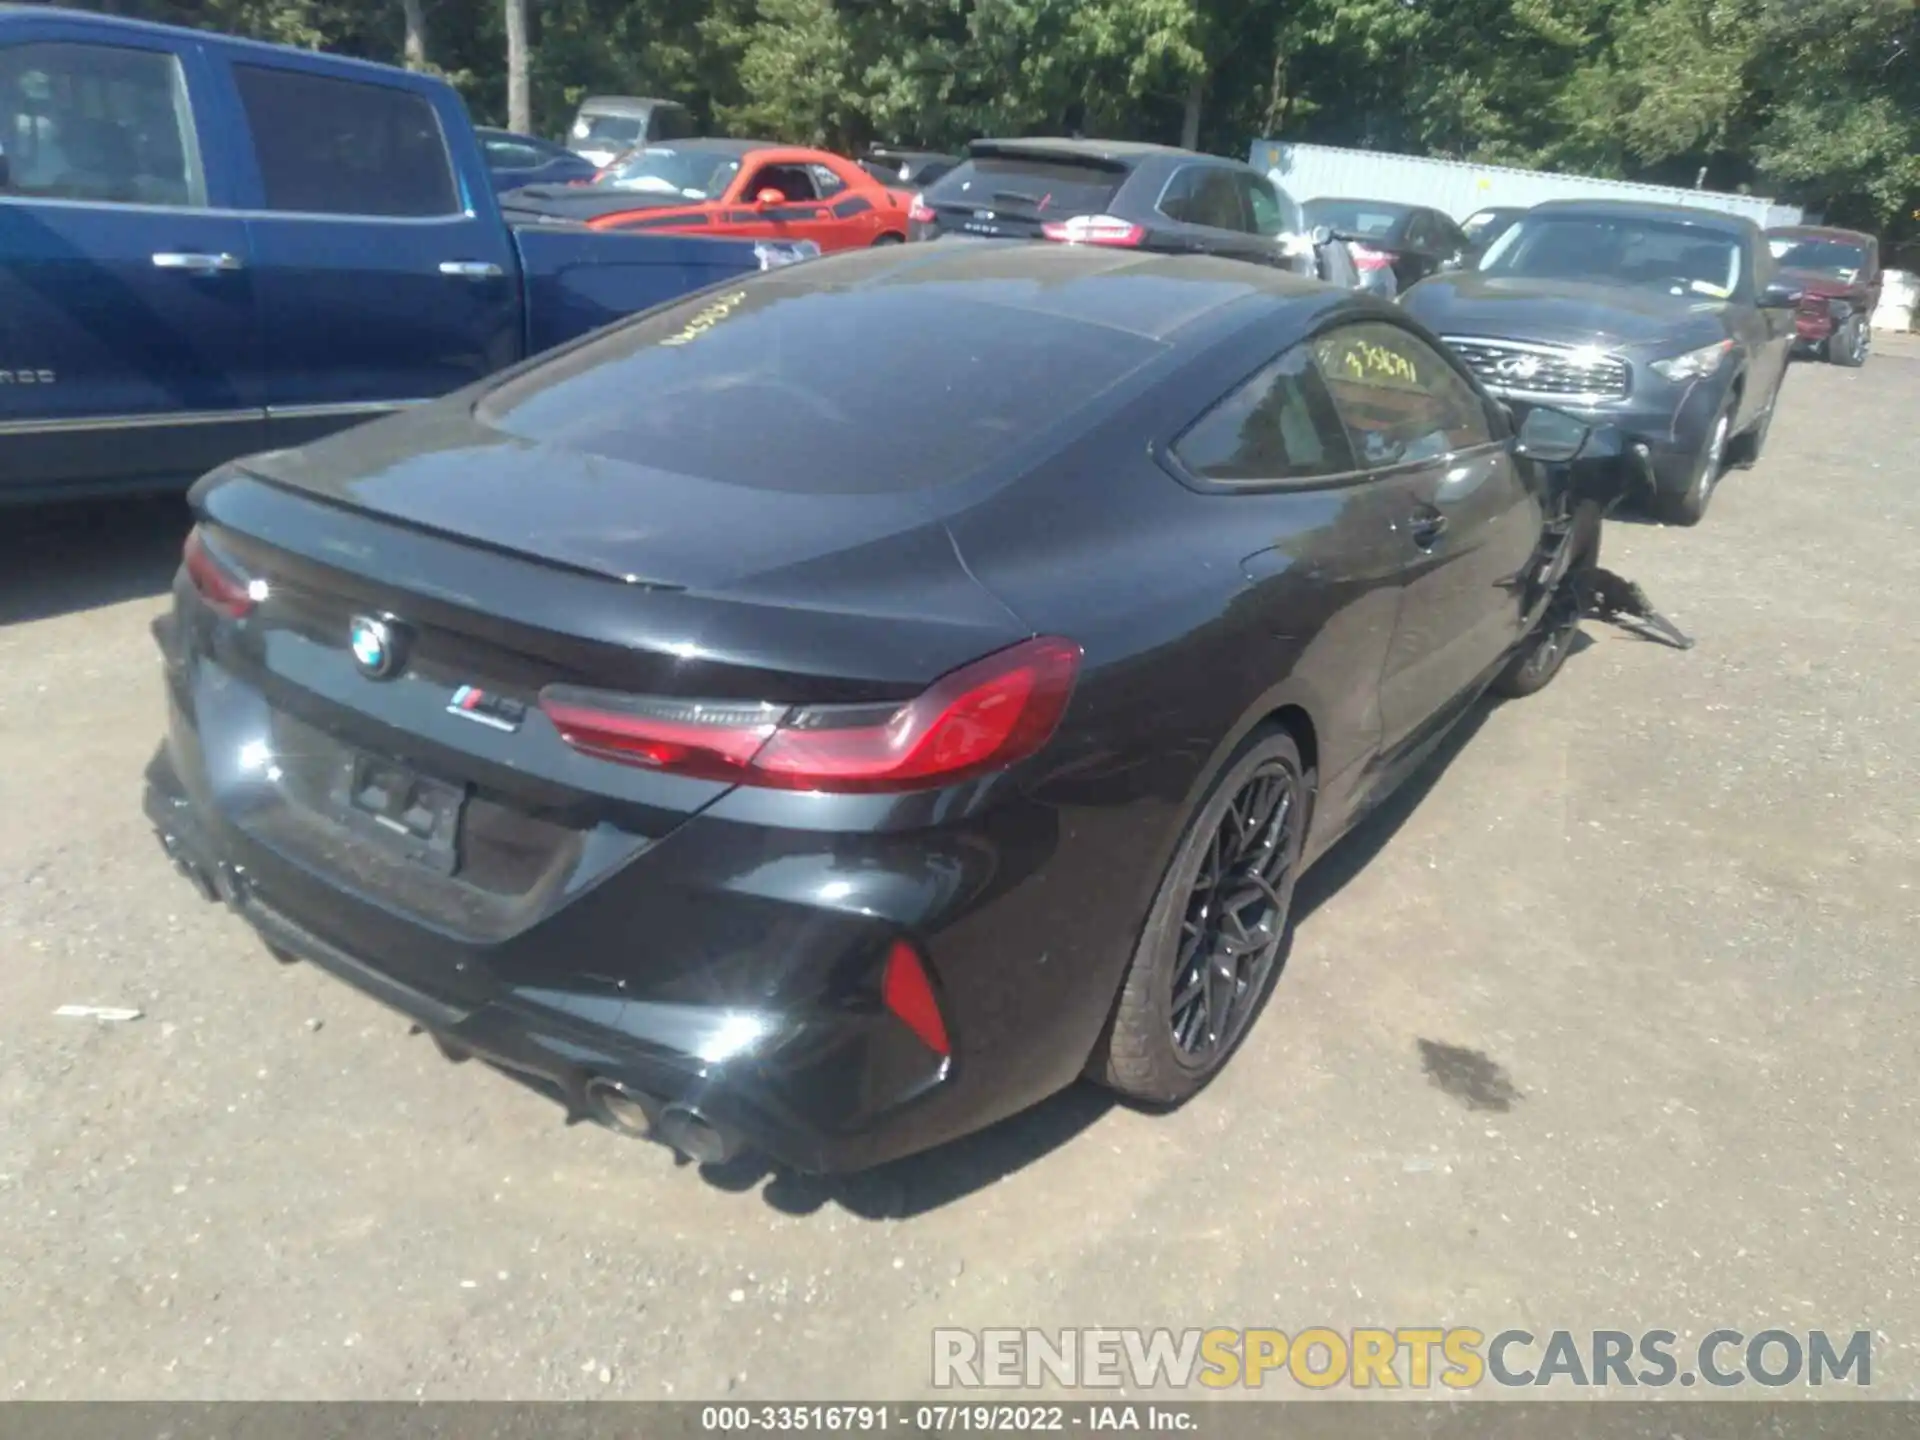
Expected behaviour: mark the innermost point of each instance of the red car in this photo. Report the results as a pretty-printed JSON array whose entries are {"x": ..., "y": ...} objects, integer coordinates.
[
  {"x": 1838, "y": 275},
  {"x": 745, "y": 189}
]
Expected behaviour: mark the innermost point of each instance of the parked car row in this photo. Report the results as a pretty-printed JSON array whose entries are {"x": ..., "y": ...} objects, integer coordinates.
[
  {"x": 1671, "y": 324},
  {"x": 215, "y": 247},
  {"x": 650, "y": 719}
]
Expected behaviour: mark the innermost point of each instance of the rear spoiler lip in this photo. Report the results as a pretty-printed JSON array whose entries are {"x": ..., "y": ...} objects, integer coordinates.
[{"x": 1021, "y": 150}]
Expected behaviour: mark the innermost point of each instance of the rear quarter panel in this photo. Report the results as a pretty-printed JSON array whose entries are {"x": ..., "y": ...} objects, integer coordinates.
[{"x": 1200, "y": 616}]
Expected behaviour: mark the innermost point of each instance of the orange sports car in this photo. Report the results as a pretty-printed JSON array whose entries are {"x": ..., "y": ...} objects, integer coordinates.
[{"x": 746, "y": 189}]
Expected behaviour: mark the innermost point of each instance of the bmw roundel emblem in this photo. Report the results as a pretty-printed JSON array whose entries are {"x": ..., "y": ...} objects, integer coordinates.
[{"x": 376, "y": 645}]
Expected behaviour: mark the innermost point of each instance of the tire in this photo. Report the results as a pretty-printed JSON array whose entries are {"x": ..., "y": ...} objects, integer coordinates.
[
  {"x": 1543, "y": 652},
  {"x": 1689, "y": 506},
  {"x": 1185, "y": 935},
  {"x": 889, "y": 239},
  {"x": 1749, "y": 447},
  {"x": 1850, "y": 345}
]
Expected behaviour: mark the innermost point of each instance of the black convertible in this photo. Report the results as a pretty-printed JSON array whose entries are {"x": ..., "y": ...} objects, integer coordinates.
[{"x": 654, "y": 720}]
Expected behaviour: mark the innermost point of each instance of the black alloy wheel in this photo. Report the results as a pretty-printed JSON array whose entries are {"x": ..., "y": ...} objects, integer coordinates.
[
  {"x": 1212, "y": 943},
  {"x": 1235, "y": 915}
]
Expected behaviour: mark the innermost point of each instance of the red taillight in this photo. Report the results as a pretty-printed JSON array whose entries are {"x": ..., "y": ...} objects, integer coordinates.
[
  {"x": 984, "y": 716},
  {"x": 1093, "y": 230},
  {"x": 711, "y": 741},
  {"x": 1368, "y": 258},
  {"x": 219, "y": 584},
  {"x": 920, "y": 212},
  {"x": 907, "y": 992}
]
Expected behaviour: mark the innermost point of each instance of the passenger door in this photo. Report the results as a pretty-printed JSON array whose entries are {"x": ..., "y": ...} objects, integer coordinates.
[
  {"x": 1325, "y": 552},
  {"x": 380, "y": 283},
  {"x": 1469, "y": 522},
  {"x": 128, "y": 348}
]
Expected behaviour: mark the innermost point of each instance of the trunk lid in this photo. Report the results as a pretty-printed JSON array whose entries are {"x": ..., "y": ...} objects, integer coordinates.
[
  {"x": 1013, "y": 194},
  {"x": 503, "y": 819},
  {"x": 440, "y": 471}
]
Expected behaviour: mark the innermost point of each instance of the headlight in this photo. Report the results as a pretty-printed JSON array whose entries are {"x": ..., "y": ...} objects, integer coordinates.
[{"x": 1695, "y": 364}]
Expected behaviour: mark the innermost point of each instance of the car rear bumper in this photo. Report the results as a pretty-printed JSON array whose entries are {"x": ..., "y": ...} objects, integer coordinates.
[
  {"x": 741, "y": 991},
  {"x": 576, "y": 1041},
  {"x": 1812, "y": 329}
]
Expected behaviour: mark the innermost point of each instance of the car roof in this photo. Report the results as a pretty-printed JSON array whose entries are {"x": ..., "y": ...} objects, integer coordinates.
[
  {"x": 718, "y": 145},
  {"x": 625, "y": 104},
  {"x": 1364, "y": 200},
  {"x": 323, "y": 59},
  {"x": 1134, "y": 291},
  {"x": 1650, "y": 210},
  {"x": 1821, "y": 232},
  {"x": 1118, "y": 151}
]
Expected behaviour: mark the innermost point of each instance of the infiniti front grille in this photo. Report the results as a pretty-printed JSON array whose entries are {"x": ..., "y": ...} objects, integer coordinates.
[{"x": 1517, "y": 367}]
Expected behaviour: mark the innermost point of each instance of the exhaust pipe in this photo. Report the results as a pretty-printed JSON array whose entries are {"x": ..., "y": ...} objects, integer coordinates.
[
  {"x": 689, "y": 1132},
  {"x": 645, "y": 1117},
  {"x": 619, "y": 1108}
]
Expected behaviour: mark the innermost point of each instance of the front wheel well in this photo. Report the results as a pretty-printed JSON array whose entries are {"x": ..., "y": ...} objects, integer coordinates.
[{"x": 1297, "y": 723}]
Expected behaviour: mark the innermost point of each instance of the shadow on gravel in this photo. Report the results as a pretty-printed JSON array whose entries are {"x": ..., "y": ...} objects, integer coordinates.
[{"x": 62, "y": 559}]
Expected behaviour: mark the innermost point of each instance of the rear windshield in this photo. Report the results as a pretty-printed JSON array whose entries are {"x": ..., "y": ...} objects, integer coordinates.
[
  {"x": 1028, "y": 187},
  {"x": 782, "y": 387},
  {"x": 1355, "y": 217},
  {"x": 609, "y": 130},
  {"x": 1829, "y": 257}
]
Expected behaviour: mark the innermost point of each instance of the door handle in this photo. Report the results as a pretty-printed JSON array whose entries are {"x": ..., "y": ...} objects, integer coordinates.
[
  {"x": 1426, "y": 527},
  {"x": 471, "y": 269},
  {"x": 196, "y": 263}
]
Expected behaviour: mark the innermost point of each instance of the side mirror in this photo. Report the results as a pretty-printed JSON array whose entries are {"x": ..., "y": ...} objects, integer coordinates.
[
  {"x": 770, "y": 196},
  {"x": 1780, "y": 297},
  {"x": 1552, "y": 437}
]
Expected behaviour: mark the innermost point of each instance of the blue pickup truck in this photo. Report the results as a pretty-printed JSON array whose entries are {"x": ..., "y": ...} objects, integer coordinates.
[{"x": 210, "y": 247}]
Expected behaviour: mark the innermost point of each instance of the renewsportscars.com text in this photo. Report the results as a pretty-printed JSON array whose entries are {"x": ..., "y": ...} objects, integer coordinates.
[{"x": 1415, "y": 1358}]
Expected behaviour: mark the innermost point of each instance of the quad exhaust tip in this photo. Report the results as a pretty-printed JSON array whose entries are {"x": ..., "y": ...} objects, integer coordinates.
[{"x": 647, "y": 1117}]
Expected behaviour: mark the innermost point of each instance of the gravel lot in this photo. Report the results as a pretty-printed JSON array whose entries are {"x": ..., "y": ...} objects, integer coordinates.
[{"x": 1610, "y": 1024}]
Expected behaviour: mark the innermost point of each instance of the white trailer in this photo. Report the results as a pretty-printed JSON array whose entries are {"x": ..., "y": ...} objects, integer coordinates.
[{"x": 1459, "y": 188}]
